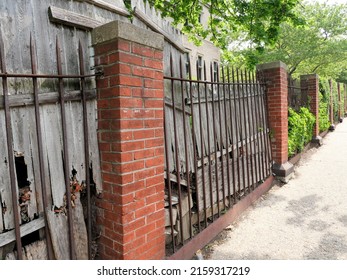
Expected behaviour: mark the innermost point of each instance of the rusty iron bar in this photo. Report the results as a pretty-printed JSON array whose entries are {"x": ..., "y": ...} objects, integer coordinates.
[
  {"x": 254, "y": 130},
  {"x": 186, "y": 148},
  {"x": 262, "y": 85},
  {"x": 33, "y": 57},
  {"x": 207, "y": 82},
  {"x": 250, "y": 123},
  {"x": 236, "y": 194},
  {"x": 177, "y": 154},
  {"x": 215, "y": 142},
  {"x": 260, "y": 122},
  {"x": 263, "y": 134},
  {"x": 86, "y": 146},
  {"x": 65, "y": 151},
  {"x": 227, "y": 141},
  {"x": 221, "y": 139},
  {"x": 258, "y": 131},
  {"x": 232, "y": 139},
  {"x": 168, "y": 180},
  {"x": 44, "y": 76},
  {"x": 201, "y": 147},
  {"x": 10, "y": 152},
  {"x": 209, "y": 145},
  {"x": 194, "y": 150},
  {"x": 240, "y": 98},
  {"x": 245, "y": 150}
]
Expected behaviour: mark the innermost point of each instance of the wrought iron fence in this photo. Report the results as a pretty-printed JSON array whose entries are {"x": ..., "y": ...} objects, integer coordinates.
[
  {"x": 217, "y": 146},
  {"x": 16, "y": 220},
  {"x": 297, "y": 94}
]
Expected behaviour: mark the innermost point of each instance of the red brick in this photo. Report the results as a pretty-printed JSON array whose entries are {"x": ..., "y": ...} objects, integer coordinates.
[
  {"x": 128, "y": 146},
  {"x": 144, "y": 113},
  {"x": 128, "y": 58},
  {"x": 126, "y": 80},
  {"x": 143, "y": 174},
  {"x": 158, "y": 55},
  {"x": 142, "y": 50},
  {"x": 155, "y": 64},
  {"x": 156, "y": 161},
  {"x": 153, "y": 103},
  {"x": 143, "y": 134},
  {"x": 129, "y": 167},
  {"x": 156, "y": 142},
  {"x": 105, "y": 48},
  {"x": 143, "y": 72}
]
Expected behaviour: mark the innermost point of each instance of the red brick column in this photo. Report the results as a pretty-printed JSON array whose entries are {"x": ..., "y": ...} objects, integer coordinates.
[
  {"x": 331, "y": 107},
  {"x": 130, "y": 130},
  {"x": 311, "y": 83},
  {"x": 340, "y": 102},
  {"x": 275, "y": 77}
]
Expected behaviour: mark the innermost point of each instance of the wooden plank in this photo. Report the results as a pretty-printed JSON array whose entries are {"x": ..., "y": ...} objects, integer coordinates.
[
  {"x": 9, "y": 236},
  {"x": 20, "y": 100},
  {"x": 148, "y": 21},
  {"x": 74, "y": 121},
  {"x": 58, "y": 15},
  {"x": 108, "y": 6},
  {"x": 7, "y": 221},
  {"x": 80, "y": 230},
  {"x": 33, "y": 251},
  {"x": 58, "y": 226},
  {"x": 94, "y": 144},
  {"x": 52, "y": 136},
  {"x": 21, "y": 128}
]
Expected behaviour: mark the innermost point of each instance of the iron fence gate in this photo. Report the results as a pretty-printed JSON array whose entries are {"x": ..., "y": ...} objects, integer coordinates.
[
  {"x": 217, "y": 146},
  {"x": 48, "y": 148}
]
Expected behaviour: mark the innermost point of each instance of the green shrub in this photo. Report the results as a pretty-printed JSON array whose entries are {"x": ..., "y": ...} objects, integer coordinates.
[
  {"x": 300, "y": 129},
  {"x": 324, "y": 122}
]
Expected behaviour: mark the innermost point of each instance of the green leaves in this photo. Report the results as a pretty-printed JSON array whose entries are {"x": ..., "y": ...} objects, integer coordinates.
[
  {"x": 257, "y": 21},
  {"x": 315, "y": 43},
  {"x": 300, "y": 129}
]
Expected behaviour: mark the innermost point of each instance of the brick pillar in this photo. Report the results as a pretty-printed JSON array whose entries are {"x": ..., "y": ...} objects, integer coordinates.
[
  {"x": 130, "y": 131},
  {"x": 275, "y": 77},
  {"x": 340, "y": 102},
  {"x": 331, "y": 107},
  {"x": 311, "y": 83}
]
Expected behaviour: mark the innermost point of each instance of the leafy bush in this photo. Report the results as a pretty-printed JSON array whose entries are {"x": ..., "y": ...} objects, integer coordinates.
[
  {"x": 324, "y": 122},
  {"x": 300, "y": 129}
]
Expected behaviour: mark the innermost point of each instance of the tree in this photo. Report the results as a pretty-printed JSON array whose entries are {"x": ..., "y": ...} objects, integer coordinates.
[
  {"x": 256, "y": 21},
  {"x": 318, "y": 46}
]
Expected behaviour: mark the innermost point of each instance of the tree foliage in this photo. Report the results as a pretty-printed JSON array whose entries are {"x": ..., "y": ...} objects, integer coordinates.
[
  {"x": 255, "y": 21},
  {"x": 318, "y": 46}
]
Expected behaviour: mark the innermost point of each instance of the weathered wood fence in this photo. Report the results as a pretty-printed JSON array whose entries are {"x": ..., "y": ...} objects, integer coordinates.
[
  {"x": 49, "y": 160},
  {"x": 216, "y": 145}
]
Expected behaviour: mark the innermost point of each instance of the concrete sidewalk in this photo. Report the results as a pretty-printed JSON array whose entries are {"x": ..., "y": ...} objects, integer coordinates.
[{"x": 304, "y": 219}]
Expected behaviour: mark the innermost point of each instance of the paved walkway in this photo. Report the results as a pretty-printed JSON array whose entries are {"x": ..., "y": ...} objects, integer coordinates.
[{"x": 304, "y": 219}]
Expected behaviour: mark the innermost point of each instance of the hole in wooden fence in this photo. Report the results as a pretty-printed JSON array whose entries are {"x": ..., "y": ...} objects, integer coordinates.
[{"x": 24, "y": 191}]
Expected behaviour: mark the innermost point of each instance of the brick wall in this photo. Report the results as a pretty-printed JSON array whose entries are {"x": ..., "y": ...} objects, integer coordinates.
[{"x": 130, "y": 131}]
